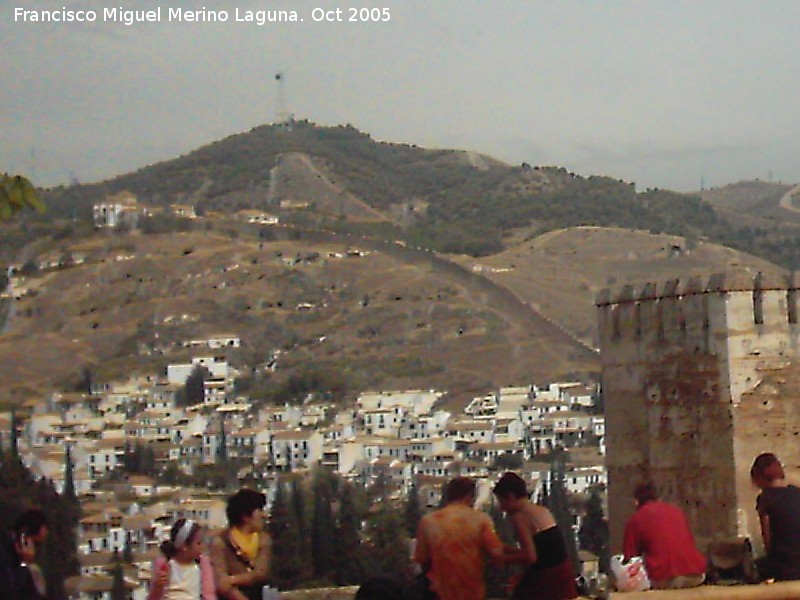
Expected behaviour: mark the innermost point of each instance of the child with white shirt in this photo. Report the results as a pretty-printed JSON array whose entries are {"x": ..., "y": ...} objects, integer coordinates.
[{"x": 184, "y": 572}]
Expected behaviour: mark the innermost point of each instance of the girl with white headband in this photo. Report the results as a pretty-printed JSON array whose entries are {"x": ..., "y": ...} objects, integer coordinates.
[{"x": 184, "y": 572}]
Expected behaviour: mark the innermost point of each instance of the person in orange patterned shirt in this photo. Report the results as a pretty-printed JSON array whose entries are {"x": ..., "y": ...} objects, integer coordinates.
[{"x": 453, "y": 543}]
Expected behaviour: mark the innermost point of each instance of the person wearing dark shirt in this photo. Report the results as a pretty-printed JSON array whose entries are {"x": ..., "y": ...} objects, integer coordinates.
[
  {"x": 778, "y": 507},
  {"x": 549, "y": 574},
  {"x": 20, "y": 578},
  {"x": 659, "y": 532}
]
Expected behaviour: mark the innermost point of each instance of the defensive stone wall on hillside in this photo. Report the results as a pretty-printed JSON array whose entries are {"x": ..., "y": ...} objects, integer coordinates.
[{"x": 697, "y": 380}]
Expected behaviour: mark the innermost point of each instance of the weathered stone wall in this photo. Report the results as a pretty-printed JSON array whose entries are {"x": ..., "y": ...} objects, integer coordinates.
[
  {"x": 677, "y": 360},
  {"x": 337, "y": 593}
]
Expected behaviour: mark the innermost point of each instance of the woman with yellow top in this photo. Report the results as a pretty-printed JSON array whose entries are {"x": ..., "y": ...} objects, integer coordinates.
[{"x": 241, "y": 553}]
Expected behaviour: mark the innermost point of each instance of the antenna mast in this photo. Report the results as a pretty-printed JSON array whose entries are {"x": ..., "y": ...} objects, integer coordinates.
[{"x": 282, "y": 115}]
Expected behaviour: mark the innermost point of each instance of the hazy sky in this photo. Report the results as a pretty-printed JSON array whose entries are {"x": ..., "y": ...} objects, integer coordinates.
[{"x": 660, "y": 93}]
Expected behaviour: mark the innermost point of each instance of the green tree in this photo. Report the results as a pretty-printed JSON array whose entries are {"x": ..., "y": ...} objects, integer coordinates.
[
  {"x": 413, "y": 510},
  {"x": 127, "y": 551},
  {"x": 69, "y": 477},
  {"x": 13, "y": 433},
  {"x": 497, "y": 577},
  {"x": 322, "y": 526},
  {"x": 193, "y": 391},
  {"x": 557, "y": 501},
  {"x": 301, "y": 509},
  {"x": 16, "y": 193},
  {"x": 222, "y": 448},
  {"x": 594, "y": 535},
  {"x": 388, "y": 551},
  {"x": 18, "y": 492},
  {"x": 118, "y": 589},
  {"x": 348, "y": 552},
  {"x": 285, "y": 544},
  {"x": 85, "y": 383}
]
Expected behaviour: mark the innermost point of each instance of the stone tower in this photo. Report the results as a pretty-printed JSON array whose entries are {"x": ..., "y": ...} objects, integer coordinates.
[{"x": 699, "y": 377}]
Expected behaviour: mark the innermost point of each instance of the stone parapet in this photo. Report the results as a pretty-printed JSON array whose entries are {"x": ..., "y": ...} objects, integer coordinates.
[
  {"x": 785, "y": 590},
  {"x": 334, "y": 593}
]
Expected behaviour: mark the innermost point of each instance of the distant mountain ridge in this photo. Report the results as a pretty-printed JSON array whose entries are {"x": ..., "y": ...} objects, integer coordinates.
[{"x": 472, "y": 203}]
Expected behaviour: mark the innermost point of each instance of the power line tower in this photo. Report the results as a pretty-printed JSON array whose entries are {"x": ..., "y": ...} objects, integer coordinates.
[{"x": 283, "y": 117}]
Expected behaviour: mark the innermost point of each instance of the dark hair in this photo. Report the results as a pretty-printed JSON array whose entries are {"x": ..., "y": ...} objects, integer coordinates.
[
  {"x": 766, "y": 468},
  {"x": 242, "y": 504},
  {"x": 510, "y": 484},
  {"x": 30, "y": 522},
  {"x": 168, "y": 548},
  {"x": 458, "y": 488},
  {"x": 380, "y": 588},
  {"x": 645, "y": 492}
]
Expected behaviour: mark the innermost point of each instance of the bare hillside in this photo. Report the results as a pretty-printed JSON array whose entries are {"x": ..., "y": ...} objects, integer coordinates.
[
  {"x": 560, "y": 272},
  {"x": 745, "y": 196},
  {"x": 372, "y": 317}
]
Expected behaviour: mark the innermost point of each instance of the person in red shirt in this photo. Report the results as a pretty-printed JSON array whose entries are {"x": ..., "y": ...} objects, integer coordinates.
[{"x": 659, "y": 532}]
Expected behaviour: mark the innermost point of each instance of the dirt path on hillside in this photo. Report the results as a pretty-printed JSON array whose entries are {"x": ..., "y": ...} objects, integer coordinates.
[
  {"x": 786, "y": 199},
  {"x": 309, "y": 164}
]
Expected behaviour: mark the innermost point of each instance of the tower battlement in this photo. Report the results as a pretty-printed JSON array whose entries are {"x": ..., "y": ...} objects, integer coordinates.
[{"x": 695, "y": 310}]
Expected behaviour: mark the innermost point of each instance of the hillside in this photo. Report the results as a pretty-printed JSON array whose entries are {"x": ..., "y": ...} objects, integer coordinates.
[
  {"x": 337, "y": 315},
  {"x": 759, "y": 200},
  {"x": 447, "y": 200},
  {"x": 560, "y": 272},
  {"x": 746, "y": 196}
]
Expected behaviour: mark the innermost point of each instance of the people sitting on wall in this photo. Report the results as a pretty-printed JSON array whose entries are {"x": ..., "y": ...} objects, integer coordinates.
[
  {"x": 548, "y": 572},
  {"x": 659, "y": 532},
  {"x": 454, "y": 542},
  {"x": 20, "y": 577},
  {"x": 241, "y": 554},
  {"x": 778, "y": 507},
  {"x": 183, "y": 571}
]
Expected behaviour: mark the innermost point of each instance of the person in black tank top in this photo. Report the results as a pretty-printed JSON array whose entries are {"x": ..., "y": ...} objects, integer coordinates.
[
  {"x": 549, "y": 574},
  {"x": 778, "y": 507}
]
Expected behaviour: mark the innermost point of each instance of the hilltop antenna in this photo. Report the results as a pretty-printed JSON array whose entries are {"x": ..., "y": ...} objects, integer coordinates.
[{"x": 282, "y": 115}]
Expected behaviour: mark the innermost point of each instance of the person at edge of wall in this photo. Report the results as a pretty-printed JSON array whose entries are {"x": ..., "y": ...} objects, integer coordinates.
[
  {"x": 659, "y": 532},
  {"x": 778, "y": 507},
  {"x": 242, "y": 554},
  {"x": 20, "y": 576}
]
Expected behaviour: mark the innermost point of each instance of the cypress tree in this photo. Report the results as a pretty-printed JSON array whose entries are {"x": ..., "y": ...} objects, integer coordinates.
[
  {"x": 118, "y": 590},
  {"x": 285, "y": 543},
  {"x": 301, "y": 512},
  {"x": 18, "y": 492},
  {"x": 594, "y": 535},
  {"x": 69, "y": 477},
  {"x": 389, "y": 554},
  {"x": 58, "y": 555},
  {"x": 497, "y": 577},
  {"x": 127, "y": 551},
  {"x": 13, "y": 433},
  {"x": 413, "y": 512},
  {"x": 349, "y": 559},
  {"x": 558, "y": 503},
  {"x": 222, "y": 449},
  {"x": 322, "y": 526}
]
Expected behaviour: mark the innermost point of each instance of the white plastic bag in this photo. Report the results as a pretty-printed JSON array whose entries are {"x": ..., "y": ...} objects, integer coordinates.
[
  {"x": 270, "y": 593},
  {"x": 630, "y": 576}
]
